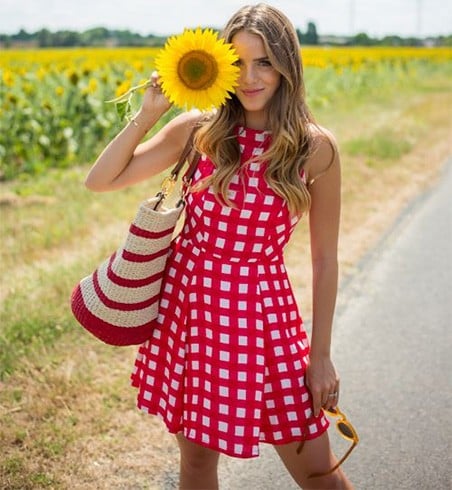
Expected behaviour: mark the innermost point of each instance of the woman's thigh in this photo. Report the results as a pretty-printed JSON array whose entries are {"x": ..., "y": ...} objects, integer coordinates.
[{"x": 196, "y": 455}]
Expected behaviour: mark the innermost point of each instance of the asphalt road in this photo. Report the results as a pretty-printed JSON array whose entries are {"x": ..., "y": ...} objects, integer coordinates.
[{"x": 392, "y": 348}]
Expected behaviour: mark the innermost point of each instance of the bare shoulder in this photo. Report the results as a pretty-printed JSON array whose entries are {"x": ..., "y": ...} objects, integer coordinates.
[{"x": 324, "y": 155}]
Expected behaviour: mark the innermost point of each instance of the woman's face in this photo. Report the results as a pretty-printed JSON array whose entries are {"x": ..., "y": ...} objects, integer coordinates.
[{"x": 258, "y": 80}]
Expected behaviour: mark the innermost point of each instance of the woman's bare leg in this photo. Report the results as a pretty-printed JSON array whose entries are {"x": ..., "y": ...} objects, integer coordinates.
[
  {"x": 198, "y": 466},
  {"x": 316, "y": 457}
]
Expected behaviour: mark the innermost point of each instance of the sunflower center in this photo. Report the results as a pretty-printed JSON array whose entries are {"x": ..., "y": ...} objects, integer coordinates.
[{"x": 197, "y": 69}]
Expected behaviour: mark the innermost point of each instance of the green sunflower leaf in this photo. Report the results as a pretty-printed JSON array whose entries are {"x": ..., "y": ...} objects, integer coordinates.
[{"x": 123, "y": 109}]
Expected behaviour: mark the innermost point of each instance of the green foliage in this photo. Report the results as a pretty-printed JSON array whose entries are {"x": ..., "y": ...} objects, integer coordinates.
[
  {"x": 58, "y": 117},
  {"x": 50, "y": 124},
  {"x": 384, "y": 144}
]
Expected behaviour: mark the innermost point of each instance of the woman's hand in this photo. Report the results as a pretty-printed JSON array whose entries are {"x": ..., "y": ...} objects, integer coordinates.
[
  {"x": 323, "y": 383},
  {"x": 154, "y": 101}
]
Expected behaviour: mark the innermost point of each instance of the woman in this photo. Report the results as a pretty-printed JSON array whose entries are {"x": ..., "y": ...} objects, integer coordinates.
[{"x": 230, "y": 364}]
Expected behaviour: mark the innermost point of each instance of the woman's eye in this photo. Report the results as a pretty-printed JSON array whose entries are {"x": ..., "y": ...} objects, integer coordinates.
[{"x": 265, "y": 63}]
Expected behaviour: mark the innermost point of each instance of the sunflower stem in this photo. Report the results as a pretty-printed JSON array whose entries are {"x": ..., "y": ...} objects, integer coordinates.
[{"x": 126, "y": 95}]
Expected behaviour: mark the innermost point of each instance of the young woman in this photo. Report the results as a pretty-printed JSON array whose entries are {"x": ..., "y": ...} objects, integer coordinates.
[{"x": 230, "y": 364}]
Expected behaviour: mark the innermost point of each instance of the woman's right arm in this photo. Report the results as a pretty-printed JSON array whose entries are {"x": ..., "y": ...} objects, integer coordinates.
[{"x": 125, "y": 161}]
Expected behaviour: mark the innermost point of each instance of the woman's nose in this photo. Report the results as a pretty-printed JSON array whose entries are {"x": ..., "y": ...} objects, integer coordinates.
[{"x": 248, "y": 74}]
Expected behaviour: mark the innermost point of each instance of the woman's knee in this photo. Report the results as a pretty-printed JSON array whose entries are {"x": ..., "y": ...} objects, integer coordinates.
[{"x": 315, "y": 458}]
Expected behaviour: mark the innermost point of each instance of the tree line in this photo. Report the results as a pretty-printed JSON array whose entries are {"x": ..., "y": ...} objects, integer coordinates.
[
  {"x": 101, "y": 36},
  {"x": 97, "y": 36}
]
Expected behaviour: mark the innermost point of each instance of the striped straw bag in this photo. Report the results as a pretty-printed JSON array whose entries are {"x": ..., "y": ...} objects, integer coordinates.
[{"x": 118, "y": 303}]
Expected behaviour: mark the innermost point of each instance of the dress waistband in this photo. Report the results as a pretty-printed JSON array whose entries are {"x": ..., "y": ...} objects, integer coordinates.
[{"x": 268, "y": 254}]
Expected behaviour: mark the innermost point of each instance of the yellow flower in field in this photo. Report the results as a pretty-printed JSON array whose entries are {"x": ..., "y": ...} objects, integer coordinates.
[
  {"x": 92, "y": 85},
  {"x": 138, "y": 65},
  {"x": 122, "y": 88},
  {"x": 59, "y": 90},
  {"x": 197, "y": 69},
  {"x": 8, "y": 78},
  {"x": 41, "y": 73},
  {"x": 88, "y": 68},
  {"x": 72, "y": 76}
]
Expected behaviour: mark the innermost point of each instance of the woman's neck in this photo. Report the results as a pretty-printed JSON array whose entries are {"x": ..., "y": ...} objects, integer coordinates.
[{"x": 257, "y": 121}]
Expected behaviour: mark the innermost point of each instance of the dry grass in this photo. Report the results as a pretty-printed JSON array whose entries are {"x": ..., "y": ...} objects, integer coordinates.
[
  {"x": 68, "y": 417},
  {"x": 68, "y": 421}
]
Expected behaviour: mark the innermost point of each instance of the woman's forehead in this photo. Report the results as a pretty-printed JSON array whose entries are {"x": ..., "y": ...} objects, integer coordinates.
[{"x": 249, "y": 45}]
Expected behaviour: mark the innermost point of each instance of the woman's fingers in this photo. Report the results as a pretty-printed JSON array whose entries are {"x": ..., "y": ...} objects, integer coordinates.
[
  {"x": 324, "y": 398},
  {"x": 331, "y": 397},
  {"x": 155, "y": 82},
  {"x": 323, "y": 383},
  {"x": 154, "y": 98},
  {"x": 154, "y": 78},
  {"x": 317, "y": 402}
]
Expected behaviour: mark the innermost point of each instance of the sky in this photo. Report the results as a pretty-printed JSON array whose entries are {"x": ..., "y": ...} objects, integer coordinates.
[{"x": 163, "y": 17}]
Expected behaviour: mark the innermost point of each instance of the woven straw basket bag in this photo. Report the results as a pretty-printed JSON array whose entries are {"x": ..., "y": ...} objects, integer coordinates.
[{"x": 118, "y": 303}]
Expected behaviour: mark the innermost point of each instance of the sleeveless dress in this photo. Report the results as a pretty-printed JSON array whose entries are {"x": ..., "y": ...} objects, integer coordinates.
[{"x": 226, "y": 363}]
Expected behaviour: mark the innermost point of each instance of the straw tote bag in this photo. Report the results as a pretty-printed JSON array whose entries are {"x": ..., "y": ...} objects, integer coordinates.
[{"x": 118, "y": 303}]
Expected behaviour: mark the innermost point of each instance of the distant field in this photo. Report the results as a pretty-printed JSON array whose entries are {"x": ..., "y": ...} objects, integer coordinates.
[{"x": 52, "y": 101}]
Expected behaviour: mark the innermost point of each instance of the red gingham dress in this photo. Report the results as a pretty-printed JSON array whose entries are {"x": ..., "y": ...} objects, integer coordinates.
[{"x": 226, "y": 363}]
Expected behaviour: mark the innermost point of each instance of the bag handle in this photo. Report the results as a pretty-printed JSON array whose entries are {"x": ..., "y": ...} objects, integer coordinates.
[
  {"x": 169, "y": 182},
  {"x": 188, "y": 148}
]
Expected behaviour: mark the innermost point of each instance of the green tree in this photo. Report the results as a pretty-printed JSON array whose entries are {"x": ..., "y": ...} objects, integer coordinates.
[
  {"x": 311, "y": 34},
  {"x": 362, "y": 39},
  {"x": 44, "y": 37}
]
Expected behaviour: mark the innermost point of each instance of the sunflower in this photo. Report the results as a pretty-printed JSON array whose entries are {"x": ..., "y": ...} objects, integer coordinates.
[{"x": 197, "y": 69}]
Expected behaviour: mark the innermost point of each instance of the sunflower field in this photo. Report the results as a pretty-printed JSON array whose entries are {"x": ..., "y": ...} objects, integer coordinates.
[{"x": 52, "y": 102}]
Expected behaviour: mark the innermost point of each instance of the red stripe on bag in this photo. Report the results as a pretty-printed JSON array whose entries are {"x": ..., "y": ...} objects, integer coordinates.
[
  {"x": 132, "y": 257},
  {"x": 115, "y": 305},
  {"x": 131, "y": 283},
  {"x": 149, "y": 234},
  {"x": 108, "y": 333}
]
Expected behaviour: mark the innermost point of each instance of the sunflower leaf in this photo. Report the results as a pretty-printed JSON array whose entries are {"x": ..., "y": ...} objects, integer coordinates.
[{"x": 123, "y": 109}]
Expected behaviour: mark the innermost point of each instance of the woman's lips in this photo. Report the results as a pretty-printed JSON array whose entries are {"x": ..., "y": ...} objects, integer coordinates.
[{"x": 250, "y": 93}]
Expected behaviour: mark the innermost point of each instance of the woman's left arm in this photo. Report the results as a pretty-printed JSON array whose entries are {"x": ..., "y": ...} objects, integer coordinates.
[{"x": 324, "y": 217}]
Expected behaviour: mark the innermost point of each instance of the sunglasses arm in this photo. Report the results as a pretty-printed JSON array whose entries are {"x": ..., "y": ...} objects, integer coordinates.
[{"x": 336, "y": 466}]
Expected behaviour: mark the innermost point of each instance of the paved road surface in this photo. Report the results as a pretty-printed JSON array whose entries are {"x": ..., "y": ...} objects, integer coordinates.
[{"x": 393, "y": 350}]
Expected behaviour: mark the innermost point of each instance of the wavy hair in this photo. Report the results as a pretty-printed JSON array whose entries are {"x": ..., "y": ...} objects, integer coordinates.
[{"x": 289, "y": 117}]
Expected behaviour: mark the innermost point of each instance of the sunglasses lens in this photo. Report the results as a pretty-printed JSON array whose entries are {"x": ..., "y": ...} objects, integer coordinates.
[{"x": 345, "y": 430}]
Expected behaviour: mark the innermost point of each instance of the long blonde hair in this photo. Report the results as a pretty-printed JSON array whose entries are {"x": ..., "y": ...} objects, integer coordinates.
[{"x": 289, "y": 116}]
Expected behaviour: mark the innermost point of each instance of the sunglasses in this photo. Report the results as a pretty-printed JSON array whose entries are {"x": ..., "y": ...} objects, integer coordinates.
[{"x": 346, "y": 430}]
